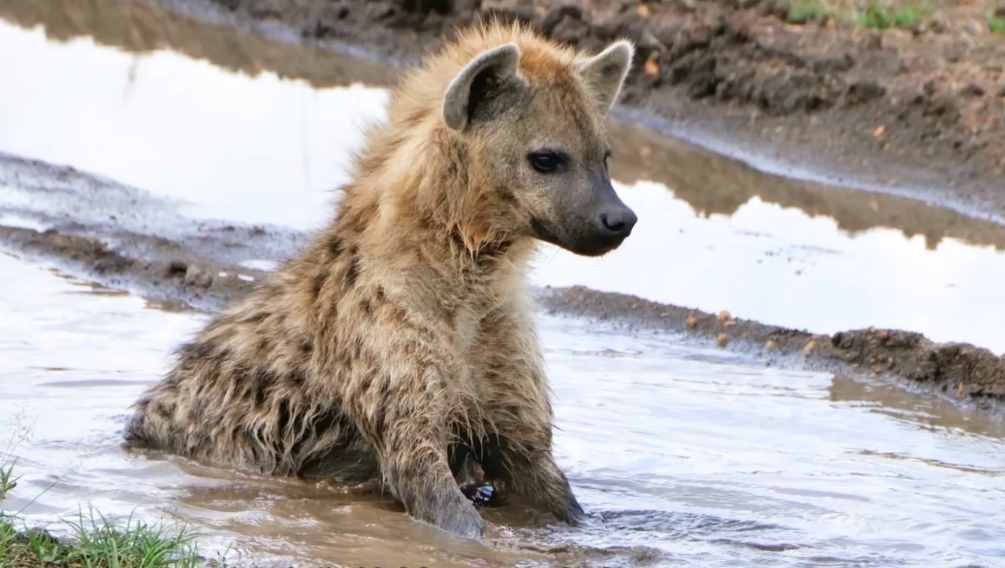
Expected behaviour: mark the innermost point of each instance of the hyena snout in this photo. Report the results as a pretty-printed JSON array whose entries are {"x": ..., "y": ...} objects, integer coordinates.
[
  {"x": 617, "y": 221},
  {"x": 608, "y": 222}
]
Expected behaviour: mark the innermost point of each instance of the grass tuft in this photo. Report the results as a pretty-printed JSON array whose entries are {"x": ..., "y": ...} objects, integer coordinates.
[
  {"x": 996, "y": 24},
  {"x": 94, "y": 541},
  {"x": 802, "y": 11},
  {"x": 883, "y": 17},
  {"x": 7, "y": 480}
]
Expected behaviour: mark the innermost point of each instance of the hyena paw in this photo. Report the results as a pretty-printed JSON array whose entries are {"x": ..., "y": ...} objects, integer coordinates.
[{"x": 461, "y": 519}]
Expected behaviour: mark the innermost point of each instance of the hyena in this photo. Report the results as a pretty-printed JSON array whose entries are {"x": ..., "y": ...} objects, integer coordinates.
[{"x": 401, "y": 342}]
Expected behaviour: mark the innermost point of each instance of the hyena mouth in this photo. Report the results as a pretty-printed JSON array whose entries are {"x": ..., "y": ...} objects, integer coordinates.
[{"x": 542, "y": 232}]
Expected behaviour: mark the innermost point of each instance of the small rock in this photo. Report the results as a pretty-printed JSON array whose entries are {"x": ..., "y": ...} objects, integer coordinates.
[
  {"x": 691, "y": 321},
  {"x": 810, "y": 346},
  {"x": 198, "y": 277},
  {"x": 863, "y": 92},
  {"x": 973, "y": 90},
  {"x": 771, "y": 345},
  {"x": 722, "y": 340},
  {"x": 725, "y": 316},
  {"x": 651, "y": 67},
  {"x": 176, "y": 268}
]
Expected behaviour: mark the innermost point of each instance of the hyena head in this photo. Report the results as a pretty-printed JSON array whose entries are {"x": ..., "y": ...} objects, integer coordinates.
[{"x": 531, "y": 117}]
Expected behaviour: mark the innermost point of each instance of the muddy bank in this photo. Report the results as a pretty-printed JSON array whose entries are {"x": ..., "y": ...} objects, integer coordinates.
[
  {"x": 918, "y": 112},
  {"x": 122, "y": 238},
  {"x": 145, "y": 26}
]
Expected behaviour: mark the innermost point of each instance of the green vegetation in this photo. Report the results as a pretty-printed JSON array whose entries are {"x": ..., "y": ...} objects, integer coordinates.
[
  {"x": 801, "y": 11},
  {"x": 877, "y": 14},
  {"x": 996, "y": 24},
  {"x": 7, "y": 480},
  {"x": 881, "y": 17},
  {"x": 94, "y": 541}
]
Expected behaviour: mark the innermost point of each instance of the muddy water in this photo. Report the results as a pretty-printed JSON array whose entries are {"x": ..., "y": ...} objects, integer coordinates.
[{"x": 680, "y": 454}]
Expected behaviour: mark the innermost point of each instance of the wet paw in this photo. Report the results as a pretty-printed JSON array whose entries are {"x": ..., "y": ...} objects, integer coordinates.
[{"x": 463, "y": 521}]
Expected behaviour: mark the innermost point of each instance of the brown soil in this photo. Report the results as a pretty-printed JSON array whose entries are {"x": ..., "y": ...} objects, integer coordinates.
[{"x": 921, "y": 109}]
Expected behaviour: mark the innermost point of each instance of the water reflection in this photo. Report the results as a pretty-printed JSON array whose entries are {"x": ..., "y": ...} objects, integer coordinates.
[
  {"x": 713, "y": 234},
  {"x": 782, "y": 266},
  {"x": 183, "y": 128},
  {"x": 710, "y": 183}
]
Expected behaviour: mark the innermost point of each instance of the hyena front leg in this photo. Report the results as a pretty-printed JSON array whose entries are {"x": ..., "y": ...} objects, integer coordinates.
[
  {"x": 524, "y": 462},
  {"x": 404, "y": 413},
  {"x": 414, "y": 465},
  {"x": 520, "y": 454}
]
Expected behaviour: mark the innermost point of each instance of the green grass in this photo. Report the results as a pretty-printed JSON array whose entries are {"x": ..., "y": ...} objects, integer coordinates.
[
  {"x": 94, "y": 541},
  {"x": 7, "y": 480},
  {"x": 996, "y": 24},
  {"x": 883, "y": 17},
  {"x": 802, "y": 11},
  {"x": 876, "y": 14}
]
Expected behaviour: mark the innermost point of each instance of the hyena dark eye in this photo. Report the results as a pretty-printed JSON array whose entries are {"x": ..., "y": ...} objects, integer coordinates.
[{"x": 547, "y": 161}]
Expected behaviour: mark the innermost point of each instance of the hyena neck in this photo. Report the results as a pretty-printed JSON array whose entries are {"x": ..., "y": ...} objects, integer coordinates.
[{"x": 438, "y": 215}]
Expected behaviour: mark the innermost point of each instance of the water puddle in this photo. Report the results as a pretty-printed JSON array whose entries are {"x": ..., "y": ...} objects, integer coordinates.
[
  {"x": 713, "y": 234},
  {"x": 679, "y": 454}
]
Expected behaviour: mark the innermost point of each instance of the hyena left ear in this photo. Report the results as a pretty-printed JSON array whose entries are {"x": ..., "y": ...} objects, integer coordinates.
[
  {"x": 606, "y": 72},
  {"x": 478, "y": 83}
]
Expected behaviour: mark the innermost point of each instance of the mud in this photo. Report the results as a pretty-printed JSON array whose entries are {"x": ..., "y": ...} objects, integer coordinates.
[
  {"x": 125, "y": 239},
  {"x": 919, "y": 111},
  {"x": 205, "y": 264}
]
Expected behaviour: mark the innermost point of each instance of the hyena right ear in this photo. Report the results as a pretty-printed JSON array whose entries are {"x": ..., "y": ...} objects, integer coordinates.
[{"x": 478, "y": 82}]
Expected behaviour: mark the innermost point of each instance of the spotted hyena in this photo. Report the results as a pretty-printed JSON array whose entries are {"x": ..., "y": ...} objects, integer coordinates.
[{"x": 401, "y": 342}]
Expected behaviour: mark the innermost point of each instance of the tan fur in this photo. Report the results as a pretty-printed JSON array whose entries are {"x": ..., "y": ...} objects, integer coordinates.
[{"x": 405, "y": 328}]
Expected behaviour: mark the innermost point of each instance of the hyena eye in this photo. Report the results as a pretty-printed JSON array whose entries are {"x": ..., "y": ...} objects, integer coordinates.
[{"x": 547, "y": 161}]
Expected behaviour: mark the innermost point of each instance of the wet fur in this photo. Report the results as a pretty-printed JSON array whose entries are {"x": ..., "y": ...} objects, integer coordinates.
[{"x": 404, "y": 330}]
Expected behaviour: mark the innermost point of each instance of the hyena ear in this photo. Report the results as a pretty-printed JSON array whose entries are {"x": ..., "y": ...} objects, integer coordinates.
[
  {"x": 478, "y": 83},
  {"x": 606, "y": 72}
]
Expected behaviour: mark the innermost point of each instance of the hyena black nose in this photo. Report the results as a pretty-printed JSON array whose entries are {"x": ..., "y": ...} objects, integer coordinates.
[{"x": 619, "y": 221}]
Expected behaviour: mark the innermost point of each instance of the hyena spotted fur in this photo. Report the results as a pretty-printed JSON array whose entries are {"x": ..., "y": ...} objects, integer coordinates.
[{"x": 401, "y": 342}]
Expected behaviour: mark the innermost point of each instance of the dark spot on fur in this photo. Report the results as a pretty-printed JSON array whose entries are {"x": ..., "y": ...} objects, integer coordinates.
[
  {"x": 366, "y": 307},
  {"x": 380, "y": 294},
  {"x": 283, "y": 423},
  {"x": 297, "y": 378},
  {"x": 165, "y": 411},
  {"x": 306, "y": 346},
  {"x": 261, "y": 381},
  {"x": 352, "y": 272},
  {"x": 507, "y": 197},
  {"x": 318, "y": 283},
  {"x": 335, "y": 247}
]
